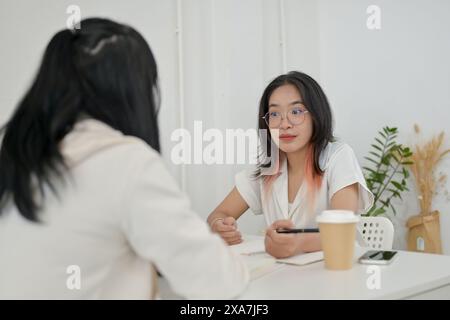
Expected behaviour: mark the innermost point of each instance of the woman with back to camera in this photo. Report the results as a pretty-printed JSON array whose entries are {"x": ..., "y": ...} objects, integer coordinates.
[{"x": 83, "y": 187}]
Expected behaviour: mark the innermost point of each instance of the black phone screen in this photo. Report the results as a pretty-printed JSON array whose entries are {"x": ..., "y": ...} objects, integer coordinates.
[{"x": 379, "y": 255}]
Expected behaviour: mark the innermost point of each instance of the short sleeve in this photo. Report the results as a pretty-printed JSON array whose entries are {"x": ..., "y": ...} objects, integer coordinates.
[
  {"x": 344, "y": 170},
  {"x": 250, "y": 189}
]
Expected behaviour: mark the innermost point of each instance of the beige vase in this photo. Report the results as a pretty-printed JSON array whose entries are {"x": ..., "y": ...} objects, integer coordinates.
[{"x": 424, "y": 233}]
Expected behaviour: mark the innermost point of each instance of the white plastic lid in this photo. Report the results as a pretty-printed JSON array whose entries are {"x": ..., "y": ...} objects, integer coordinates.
[{"x": 337, "y": 216}]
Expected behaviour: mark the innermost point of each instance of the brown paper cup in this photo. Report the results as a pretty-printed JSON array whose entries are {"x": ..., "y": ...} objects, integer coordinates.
[
  {"x": 337, "y": 233},
  {"x": 338, "y": 244}
]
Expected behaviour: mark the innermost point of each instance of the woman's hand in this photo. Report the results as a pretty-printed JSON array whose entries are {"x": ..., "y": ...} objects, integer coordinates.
[
  {"x": 227, "y": 229},
  {"x": 281, "y": 245}
]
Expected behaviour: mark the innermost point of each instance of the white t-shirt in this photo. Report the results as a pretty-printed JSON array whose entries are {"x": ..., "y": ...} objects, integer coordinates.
[
  {"x": 341, "y": 169},
  {"x": 119, "y": 212}
]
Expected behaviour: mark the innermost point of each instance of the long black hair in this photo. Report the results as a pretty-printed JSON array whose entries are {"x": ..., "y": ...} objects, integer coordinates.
[
  {"x": 104, "y": 70},
  {"x": 318, "y": 107}
]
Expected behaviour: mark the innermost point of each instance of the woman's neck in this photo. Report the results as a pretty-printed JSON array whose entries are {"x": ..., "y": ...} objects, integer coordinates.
[{"x": 296, "y": 160}]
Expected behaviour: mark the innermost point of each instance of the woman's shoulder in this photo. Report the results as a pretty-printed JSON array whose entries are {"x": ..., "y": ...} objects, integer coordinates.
[
  {"x": 331, "y": 151},
  {"x": 91, "y": 137}
]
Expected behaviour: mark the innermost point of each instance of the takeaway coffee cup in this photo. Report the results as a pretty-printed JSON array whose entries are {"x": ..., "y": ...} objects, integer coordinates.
[{"x": 337, "y": 233}]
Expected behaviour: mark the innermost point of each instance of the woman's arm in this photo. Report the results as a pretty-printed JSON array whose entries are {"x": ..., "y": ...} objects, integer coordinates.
[
  {"x": 232, "y": 206},
  {"x": 286, "y": 245},
  {"x": 161, "y": 228},
  {"x": 223, "y": 219},
  {"x": 344, "y": 199}
]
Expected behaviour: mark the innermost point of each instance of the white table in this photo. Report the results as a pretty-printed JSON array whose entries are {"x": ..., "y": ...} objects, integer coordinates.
[{"x": 411, "y": 276}]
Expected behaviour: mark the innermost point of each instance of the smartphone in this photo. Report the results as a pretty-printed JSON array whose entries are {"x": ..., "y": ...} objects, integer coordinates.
[{"x": 378, "y": 257}]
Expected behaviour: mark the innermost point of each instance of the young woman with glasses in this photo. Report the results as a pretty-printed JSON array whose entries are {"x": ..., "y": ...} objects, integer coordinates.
[{"x": 309, "y": 171}]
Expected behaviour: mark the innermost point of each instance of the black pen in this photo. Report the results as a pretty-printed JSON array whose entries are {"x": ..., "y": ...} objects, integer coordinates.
[{"x": 302, "y": 230}]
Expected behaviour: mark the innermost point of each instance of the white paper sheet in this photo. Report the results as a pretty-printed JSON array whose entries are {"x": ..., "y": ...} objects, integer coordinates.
[
  {"x": 249, "y": 247},
  {"x": 303, "y": 259},
  {"x": 260, "y": 263}
]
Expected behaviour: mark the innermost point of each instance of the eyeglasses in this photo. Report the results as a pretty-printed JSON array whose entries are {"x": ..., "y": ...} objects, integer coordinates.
[{"x": 295, "y": 116}]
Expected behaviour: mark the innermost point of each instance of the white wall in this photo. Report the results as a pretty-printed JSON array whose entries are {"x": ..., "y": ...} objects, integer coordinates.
[
  {"x": 398, "y": 75},
  {"x": 230, "y": 49}
]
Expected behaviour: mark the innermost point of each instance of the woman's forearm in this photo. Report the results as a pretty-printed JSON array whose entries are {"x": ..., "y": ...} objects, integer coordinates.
[
  {"x": 232, "y": 206},
  {"x": 215, "y": 215},
  {"x": 310, "y": 242}
]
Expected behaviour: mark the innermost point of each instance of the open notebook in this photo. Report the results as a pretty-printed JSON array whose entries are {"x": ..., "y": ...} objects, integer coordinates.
[{"x": 260, "y": 263}]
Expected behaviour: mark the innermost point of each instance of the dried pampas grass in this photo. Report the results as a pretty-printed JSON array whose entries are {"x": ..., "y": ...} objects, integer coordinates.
[{"x": 426, "y": 159}]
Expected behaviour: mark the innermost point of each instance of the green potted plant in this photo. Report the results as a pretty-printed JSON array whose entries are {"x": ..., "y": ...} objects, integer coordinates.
[{"x": 388, "y": 171}]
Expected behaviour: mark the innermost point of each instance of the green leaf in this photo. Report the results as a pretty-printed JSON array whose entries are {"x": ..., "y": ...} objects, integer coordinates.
[
  {"x": 405, "y": 173},
  {"x": 375, "y": 154},
  {"x": 395, "y": 193},
  {"x": 370, "y": 170},
  {"x": 381, "y": 175},
  {"x": 406, "y": 153},
  {"x": 386, "y": 160},
  {"x": 385, "y": 203},
  {"x": 390, "y": 145},
  {"x": 376, "y": 147},
  {"x": 397, "y": 185},
  {"x": 395, "y": 158},
  {"x": 378, "y": 212},
  {"x": 393, "y": 209},
  {"x": 393, "y": 129},
  {"x": 392, "y": 137},
  {"x": 379, "y": 141},
  {"x": 371, "y": 160}
]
